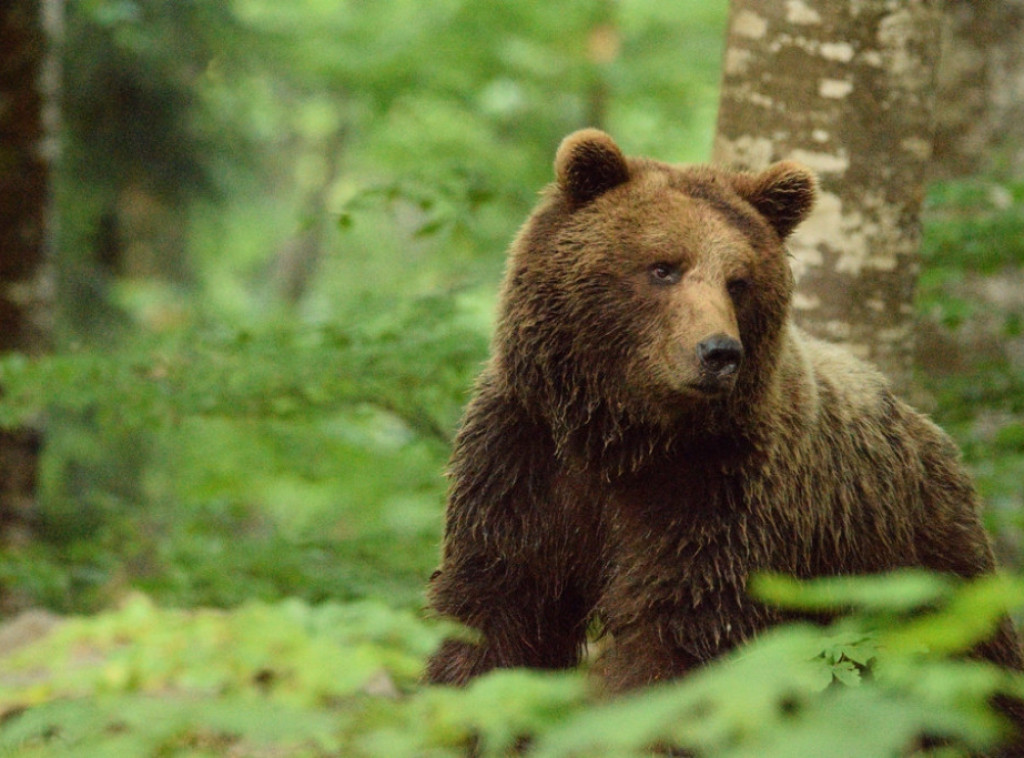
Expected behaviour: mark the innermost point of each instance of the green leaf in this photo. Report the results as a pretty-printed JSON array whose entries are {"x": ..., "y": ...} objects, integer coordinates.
[{"x": 901, "y": 591}]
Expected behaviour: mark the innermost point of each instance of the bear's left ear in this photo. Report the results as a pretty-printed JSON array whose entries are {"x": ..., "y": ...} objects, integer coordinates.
[
  {"x": 783, "y": 193},
  {"x": 588, "y": 164}
]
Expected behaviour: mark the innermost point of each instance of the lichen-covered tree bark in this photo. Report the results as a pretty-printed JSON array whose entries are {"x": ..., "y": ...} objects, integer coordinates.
[
  {"x": 25, "y": 281},
  {"x": 847, "y": 88}
]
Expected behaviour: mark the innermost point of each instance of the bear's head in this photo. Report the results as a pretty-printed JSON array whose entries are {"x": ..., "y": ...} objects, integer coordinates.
[{"x": 643, "y": 298}]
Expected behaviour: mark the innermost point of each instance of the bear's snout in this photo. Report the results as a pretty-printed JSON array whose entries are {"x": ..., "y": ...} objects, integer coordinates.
[{"x": 720, "y": 356}]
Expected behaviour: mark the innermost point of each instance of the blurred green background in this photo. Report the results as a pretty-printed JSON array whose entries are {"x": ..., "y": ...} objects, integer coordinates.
[
  {"x": 281, "y": 230},
  {"x": 281, "y": 233}
]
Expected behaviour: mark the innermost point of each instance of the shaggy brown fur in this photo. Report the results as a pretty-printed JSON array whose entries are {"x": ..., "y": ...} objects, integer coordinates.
[{"x": 652, "y": 429}]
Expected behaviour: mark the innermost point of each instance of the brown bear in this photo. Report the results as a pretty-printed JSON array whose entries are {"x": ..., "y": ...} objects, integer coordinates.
[{"x": 652, "y": 429}]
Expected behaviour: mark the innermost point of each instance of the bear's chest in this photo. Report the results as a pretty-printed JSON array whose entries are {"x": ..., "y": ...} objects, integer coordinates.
[
  {"x": 688, "y": 537},
  {"x": 682, "y": 550}
]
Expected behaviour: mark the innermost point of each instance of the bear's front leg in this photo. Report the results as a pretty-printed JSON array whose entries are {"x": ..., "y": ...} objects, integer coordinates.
[
  {"x": 521, "y": 618},
  {"x": 521, "y": 548},
  {"x": 642, "y": 655}
]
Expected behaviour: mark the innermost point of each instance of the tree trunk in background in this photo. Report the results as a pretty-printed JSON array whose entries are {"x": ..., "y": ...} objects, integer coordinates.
[
  {"x": 980, "y": 93},
  {"x": 25, "y": 278},
  {"x": 1006, "y": 88},
  {"x": 604, "y": 45},
  {"x": 298, "y": 261},
  {"x": 962, "y": 126},
  {"x": 848, "y": 90}
]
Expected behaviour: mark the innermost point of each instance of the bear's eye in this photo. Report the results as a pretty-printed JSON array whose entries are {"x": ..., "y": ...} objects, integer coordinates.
[
  {"x": 737, "y": 287},
  {"x": 665, "y": 273}
]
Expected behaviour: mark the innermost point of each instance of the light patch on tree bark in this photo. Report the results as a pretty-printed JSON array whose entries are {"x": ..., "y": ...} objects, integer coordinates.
[
  {"x": 798, "y": 12},
  {"x": 34, "y": 297},
  {"x": 919, "y": 147},
  {"x": 847, "y": 89},
  {"x": 836, "y": 88},
  {"x": 749, "y": 25},
  {"x": 749, "y": 151},
  {"x": 737, "y": 61},
  {"x": 837, "y": 51},
  {"x": 822, "y": 163}
]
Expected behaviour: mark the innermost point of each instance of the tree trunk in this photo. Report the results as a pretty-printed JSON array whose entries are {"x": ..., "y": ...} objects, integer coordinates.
[
  {"x": 1006, "y": 88},
  {"x": 298, "y": 261},
  {"x": 604, "y": 45},
  {"x": 980, "y": 92},
  {"x": 848, "y": 90},
  {"x": 25, "y": 280},
  {"x": 961, "y": 107}
]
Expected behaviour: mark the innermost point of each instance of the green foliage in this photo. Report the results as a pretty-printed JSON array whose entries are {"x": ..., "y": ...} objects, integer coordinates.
[
  {"x": 968, "y": 293},
  {"x": 293, "y": 679},
  {"x": 209, "y": 440},
  {"x": 214, "y": 445},
  {"x": 147, "y": 681},
  {"x": 415, "y": 360},
  {"x": 443, "y": 120},
  {"x": 290, "y": 461},
  {"x": 974, "y": 225}
]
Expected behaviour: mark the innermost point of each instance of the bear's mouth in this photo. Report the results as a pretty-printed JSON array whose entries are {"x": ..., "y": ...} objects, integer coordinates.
[{"x": 711, "y": 385}]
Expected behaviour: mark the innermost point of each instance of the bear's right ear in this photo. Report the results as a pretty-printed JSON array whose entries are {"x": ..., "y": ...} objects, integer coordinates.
[{"x": 588, "y": 164}]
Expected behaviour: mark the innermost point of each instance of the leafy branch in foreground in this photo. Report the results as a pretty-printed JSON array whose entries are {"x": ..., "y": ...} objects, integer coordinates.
[{"x": 294, "y": 679}]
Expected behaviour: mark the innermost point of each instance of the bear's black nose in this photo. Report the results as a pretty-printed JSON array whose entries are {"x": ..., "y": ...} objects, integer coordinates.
[{"x": 720, "y": 355}]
